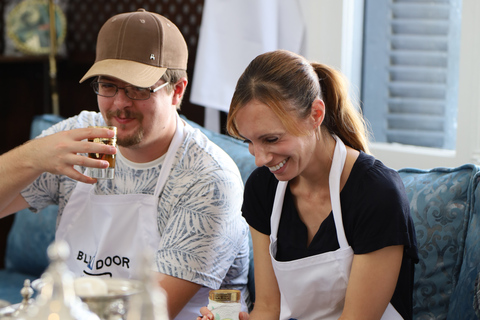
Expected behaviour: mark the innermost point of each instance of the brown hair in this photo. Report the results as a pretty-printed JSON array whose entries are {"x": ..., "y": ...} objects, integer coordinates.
[
  {"x": 172, "y": 76},
  {"x": 288, "y": 83}
]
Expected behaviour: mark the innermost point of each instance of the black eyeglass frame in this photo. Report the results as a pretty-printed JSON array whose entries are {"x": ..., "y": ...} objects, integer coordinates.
[{"x": 94, "y": 84}]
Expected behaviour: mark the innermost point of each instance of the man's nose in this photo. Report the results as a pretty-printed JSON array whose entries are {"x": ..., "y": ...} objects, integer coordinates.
[{"x": 121, "y": 98}]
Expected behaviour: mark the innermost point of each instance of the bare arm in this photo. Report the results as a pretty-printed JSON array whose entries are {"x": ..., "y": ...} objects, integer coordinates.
[
  {"x": 267, "y": 294},
  {"x": 372, "y": 282},
  {"x": 178, "y": 291},
  {"x": 57, "y": 154}
]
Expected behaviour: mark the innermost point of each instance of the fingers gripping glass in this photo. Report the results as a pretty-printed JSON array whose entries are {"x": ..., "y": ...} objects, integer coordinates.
[{"x": 106, "y": 89}]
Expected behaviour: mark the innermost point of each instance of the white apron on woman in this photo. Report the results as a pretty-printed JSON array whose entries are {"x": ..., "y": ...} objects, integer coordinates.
[
  {"x": 107, "y": 234},
  {"x": 314, "y": 287}
]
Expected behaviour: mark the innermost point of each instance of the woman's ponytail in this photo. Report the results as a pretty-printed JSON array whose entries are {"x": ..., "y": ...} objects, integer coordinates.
[{"x": 341, "y": 116}]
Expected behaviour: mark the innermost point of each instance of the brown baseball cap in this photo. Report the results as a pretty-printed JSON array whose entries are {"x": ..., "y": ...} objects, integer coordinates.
[{"x": 138, "y": 47}]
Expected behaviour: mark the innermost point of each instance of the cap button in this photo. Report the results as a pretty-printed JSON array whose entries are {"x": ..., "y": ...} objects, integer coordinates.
[{"x": 141, "y": 10}]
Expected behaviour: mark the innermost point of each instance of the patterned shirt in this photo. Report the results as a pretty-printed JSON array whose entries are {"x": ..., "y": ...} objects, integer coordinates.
[{"x": 204, "y": 238}]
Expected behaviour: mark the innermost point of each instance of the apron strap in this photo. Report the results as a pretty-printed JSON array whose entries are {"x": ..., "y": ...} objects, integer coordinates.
[
  {"x": 177, "y": 140},
  {"x": 338, "y": 163},
  {"x": 277, "y": 209}
]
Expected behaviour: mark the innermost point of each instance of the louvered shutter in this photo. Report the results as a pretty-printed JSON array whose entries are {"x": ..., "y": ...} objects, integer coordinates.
[{"x": 410, "y": 71}]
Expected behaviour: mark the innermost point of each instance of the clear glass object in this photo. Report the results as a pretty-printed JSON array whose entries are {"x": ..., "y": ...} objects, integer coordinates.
[
  {"x": 57, "y": 299},
  {"x": 225, "y": 304},
  {"x": 103, "y": 173}
]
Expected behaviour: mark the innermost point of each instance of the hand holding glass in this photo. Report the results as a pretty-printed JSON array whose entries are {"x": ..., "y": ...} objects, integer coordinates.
[{"x": 103, "y": 173}]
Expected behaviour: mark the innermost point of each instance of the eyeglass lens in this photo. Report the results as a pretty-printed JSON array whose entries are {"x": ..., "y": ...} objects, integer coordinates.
[{"x": 106, "y": 89}]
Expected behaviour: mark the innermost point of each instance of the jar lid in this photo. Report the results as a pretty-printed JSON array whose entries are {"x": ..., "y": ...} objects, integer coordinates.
[{"x": 224, "y": 295}]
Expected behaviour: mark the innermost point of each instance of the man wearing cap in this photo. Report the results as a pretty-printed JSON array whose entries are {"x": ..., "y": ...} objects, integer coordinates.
[{"x": 175, "y": 194}]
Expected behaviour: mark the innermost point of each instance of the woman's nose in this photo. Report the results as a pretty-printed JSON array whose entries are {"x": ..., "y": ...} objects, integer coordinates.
[{"x": 262, "y": 156}]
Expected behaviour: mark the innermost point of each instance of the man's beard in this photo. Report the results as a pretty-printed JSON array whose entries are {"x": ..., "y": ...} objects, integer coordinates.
[{"x": 133, "y": 139}]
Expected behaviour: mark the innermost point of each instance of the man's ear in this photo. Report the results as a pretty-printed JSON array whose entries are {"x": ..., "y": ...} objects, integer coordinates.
[
  {"x": 318, "y": 112},
  {"x": 179, "y": 90}
]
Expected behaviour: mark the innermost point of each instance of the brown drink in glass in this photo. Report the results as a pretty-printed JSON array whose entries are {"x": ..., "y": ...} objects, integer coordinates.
[{"x": 107, "y": 173}]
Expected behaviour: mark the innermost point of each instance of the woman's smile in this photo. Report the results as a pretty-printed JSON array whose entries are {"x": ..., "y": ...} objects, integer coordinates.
[{"x": 277, "y": 167}]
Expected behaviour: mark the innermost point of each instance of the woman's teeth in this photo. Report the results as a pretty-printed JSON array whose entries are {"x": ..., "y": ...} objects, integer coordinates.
[{"x": 278, "y": 166}]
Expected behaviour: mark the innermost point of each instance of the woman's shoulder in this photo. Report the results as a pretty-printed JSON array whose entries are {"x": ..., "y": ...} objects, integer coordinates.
[
  {"x": 258, "y": 199},
  {"x": 262, "y": 181},
  {"x": 261, "y": 174},
  {"x": 372, "y": 171},
  {"x": 371, "y": 180}
]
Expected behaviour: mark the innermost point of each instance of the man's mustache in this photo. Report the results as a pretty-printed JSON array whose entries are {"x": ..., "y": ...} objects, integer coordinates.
[{"x": 124, "y": 114}]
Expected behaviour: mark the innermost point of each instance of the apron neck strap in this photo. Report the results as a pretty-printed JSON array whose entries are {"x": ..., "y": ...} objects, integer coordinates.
[
  {"x": 177, "y": 140},
  {"x": 336, "y": 170}
]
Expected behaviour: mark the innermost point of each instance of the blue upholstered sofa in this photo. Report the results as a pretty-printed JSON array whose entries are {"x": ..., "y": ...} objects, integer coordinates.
[{"x": 445, "y": 205}]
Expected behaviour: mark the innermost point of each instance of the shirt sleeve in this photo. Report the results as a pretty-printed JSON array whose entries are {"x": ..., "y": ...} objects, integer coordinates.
[
  {"x": 44, "y": 191},
  {"x": 204, "y": 236},
  {"x": 380, "y": 215},
  {"x": 258, "y": 199}
]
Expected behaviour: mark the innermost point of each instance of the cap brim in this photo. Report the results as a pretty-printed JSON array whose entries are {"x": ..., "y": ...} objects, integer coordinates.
[{"x": 134, "y": 73}]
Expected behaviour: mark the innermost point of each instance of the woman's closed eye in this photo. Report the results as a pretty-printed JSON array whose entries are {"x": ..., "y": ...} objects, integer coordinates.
[
  {"x": 271, "y": 140},
  {"x": 265, "y": 140}
]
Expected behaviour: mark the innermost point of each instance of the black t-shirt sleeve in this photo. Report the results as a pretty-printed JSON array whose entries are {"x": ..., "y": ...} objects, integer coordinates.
[
  {"x": 376, "y": 209},
  {"x": 258, "y": 199}
]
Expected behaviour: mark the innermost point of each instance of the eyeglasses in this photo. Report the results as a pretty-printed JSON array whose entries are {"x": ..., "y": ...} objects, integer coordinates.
[{"x": 107, "y": 89}]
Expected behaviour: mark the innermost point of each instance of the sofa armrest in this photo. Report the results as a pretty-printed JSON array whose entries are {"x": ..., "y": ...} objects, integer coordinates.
[
  {"x": 440, "y": 205},
  {"x": 463, "y": 298}
]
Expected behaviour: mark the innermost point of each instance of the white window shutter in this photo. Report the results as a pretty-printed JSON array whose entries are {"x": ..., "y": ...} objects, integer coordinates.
[{"x": 410, "y": 71}]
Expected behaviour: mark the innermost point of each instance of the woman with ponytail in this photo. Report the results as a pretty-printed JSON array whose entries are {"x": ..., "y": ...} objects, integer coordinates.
[{"x": 331, "y": 227}]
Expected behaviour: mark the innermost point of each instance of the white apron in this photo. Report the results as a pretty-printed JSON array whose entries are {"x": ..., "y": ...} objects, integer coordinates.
[
  {"x": 314, "y": 287},
  {"x": 108, "y": 233}
]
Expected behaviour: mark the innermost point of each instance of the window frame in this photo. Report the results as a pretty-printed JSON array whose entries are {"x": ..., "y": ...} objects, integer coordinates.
[{"x": 344, "y": 20}]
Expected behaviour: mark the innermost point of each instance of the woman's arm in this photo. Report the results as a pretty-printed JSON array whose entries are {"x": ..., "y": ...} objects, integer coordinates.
[
  {"x": 373, "y": 279},
  {"x": 267, "y": 294}
]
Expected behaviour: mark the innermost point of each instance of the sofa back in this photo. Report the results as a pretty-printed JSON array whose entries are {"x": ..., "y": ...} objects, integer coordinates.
[{"x": 442, "y": 204}]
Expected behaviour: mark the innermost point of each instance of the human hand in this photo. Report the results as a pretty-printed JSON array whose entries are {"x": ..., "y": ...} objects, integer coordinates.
[
  {"x": 206, "y": 314},
  {"x": 60, "y": 152}
]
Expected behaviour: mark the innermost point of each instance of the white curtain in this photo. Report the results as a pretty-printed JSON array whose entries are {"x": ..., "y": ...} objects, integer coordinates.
[{"x": 232, "y": 33}]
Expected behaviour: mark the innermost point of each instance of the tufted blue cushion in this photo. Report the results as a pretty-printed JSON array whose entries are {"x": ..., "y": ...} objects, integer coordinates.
[
  {"x": 28, "y": 240},
  {"x": 235, "y": 148},
  {"x": 440, "y": 202},
  {"x": 463, "y": 296}
]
